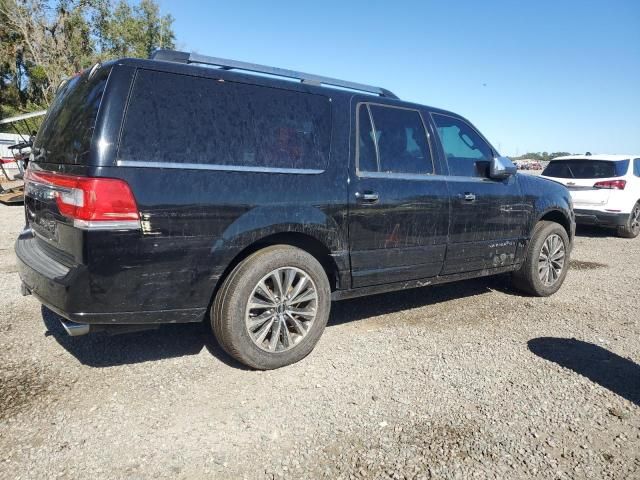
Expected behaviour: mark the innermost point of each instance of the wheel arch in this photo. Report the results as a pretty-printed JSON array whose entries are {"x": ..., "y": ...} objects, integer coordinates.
[
  {"x": 557, "y": 216},
  {"x": 305, "y": 241}
]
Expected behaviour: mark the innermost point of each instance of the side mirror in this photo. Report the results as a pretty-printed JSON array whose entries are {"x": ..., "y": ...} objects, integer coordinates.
[{"x": 501, "y": 168}]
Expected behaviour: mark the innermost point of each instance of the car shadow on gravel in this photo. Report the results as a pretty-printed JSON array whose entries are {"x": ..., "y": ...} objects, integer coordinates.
[
  {"x": 177, "y": 340},
  {"x": 347, "y": 311},
  {"x": 105, "y": 350},
  {"x": 613, "y": 372}
]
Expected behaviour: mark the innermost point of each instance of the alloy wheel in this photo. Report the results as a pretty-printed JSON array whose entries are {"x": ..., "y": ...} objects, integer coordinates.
[
  {"x": 551, "y": 260},
  {"x": 281, "y": 309}
]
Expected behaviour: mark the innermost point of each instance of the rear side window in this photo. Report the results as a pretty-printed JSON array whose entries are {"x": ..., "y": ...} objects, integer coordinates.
[
  {"x": 463, "y": 146},
  {"x": 182, "y": 119},
  {"x": 586, "y": 168},
  {"x": 367, "y": 156},
  {"x": 65, "y": 134},
  {"x": 636, "y": 167},
  {"x": 392, "y": 140}
]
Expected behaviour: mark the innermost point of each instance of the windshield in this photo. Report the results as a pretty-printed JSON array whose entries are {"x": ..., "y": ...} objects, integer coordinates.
[
  {"x": 586, "y": 168},
  {"x": 65, "y": 135}
]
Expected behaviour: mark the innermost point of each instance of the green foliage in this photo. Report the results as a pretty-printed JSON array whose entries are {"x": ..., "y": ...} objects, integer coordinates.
[
  {"x": 42, "y": 42},
  {"x": 134, "y": 30}
]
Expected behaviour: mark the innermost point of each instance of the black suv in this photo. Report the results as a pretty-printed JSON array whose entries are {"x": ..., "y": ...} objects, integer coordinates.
[{"x": 165, "y": 190}]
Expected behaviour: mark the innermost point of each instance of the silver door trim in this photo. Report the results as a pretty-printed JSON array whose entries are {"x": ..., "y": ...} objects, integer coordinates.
[{"x": 217, "y": 167}]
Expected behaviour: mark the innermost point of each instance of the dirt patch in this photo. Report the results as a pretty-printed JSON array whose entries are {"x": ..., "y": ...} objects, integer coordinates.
[
  {"x": 405, "y": 450},
  {"x": 582, "y": 265},
  {"x": 20, "y": 387}
]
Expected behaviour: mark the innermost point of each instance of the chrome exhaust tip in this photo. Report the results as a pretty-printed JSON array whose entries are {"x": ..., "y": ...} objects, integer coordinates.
[{"x": 75, "y": 329}]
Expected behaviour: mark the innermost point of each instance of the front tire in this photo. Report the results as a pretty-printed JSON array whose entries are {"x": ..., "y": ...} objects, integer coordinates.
[
  {"x": 272, "y": 308},
  {"x": 547, "y": 261},
  {"x": 632, "y": 228}
]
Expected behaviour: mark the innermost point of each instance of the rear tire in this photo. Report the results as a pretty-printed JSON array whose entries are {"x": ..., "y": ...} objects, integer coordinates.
[
  {"x": 547, "y": 261},
  {"x": 632, "y": 228},
  {"x": 272, "y": 308}
]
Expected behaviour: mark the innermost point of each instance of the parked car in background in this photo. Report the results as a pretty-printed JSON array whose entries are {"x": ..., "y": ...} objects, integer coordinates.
[
  {"x": 165, "y": 191},
  {"x": 9, "y": 165},
  {"x": 605, "y": 189}
]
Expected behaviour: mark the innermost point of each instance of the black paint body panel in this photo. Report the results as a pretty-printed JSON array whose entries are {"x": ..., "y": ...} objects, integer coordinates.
[
  {"x": 197, "y": 222},
  {"x": 483, "y": 233}
]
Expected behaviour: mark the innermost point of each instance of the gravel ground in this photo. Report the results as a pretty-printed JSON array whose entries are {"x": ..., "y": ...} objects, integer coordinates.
[{"x": 469, "y": 380}]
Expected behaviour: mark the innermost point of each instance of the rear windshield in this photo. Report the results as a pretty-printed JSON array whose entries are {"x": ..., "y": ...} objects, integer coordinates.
[
  {"x": 586, "y": 168},
  {"x": 185, "y": 120},
  {"x": 65, "y": 134}
]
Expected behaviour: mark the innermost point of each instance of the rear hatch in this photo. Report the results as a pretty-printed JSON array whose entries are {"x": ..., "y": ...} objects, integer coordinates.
[
  {"x": 590, "y": 182},
  {"x": 62, "y": 148}
]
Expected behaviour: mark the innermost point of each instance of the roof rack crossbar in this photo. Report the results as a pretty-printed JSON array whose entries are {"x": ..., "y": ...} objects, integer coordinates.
[
  {"x": 24, "y": 116},
  {"x": 225, "y": 64}
]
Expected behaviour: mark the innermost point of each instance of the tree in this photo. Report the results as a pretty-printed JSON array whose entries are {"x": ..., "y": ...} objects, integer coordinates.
[
  {"x": 541, "y": 156},
  {"x": 133, "y": 31},
  {"x": 42, "y": 42}
]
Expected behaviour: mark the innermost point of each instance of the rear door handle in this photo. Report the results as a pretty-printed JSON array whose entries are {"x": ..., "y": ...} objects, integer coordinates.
[{"x": 367, "y": 197}]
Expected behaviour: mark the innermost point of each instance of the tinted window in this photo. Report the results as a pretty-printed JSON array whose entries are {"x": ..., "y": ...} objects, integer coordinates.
[
  {"x": 586, "y": 169},
  {"x": 178, "y": 118},
  {"x": 367, "y": 160},
  {"x": 636, "y": 167},
  {"x": 65, "y": 134},
  {"x": 402, "y": 140},
  {"x": 398, "y": 138},
  {"x": 463, "y": 146}
]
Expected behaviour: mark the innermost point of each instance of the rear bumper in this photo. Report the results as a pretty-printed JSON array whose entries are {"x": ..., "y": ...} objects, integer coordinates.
[
  {"x": 600, "y": 218},
  {"x": 66, "y": 290}
]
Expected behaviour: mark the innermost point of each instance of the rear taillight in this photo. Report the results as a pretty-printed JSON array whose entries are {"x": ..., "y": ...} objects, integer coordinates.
[
  {"x": 611, "y": 184},
  {"x": 92, "y": 203}
]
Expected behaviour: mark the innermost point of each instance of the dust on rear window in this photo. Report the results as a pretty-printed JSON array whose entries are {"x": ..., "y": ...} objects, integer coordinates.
[
  {"x": 65, "y": 134},
  {"x": 586, "y": 168}
]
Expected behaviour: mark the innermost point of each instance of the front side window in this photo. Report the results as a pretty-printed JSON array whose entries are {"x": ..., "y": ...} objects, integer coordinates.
[
  {"x": 184, "y": 119},
  {"x": 396, "y": 142},
  {"x": 464, "y": 148}
]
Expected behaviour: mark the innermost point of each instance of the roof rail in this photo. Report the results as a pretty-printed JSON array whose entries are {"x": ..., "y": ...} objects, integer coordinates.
[{"x": 224, "y": 64}]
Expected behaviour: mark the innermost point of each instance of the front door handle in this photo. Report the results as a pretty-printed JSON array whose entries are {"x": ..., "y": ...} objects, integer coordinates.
[
  {"x": 468, "y": 197},
  {"x": 367, "y": 197}
]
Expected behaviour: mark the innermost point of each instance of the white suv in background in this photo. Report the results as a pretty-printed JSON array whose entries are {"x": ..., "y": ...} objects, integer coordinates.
[{"x": 605, "y": 189}]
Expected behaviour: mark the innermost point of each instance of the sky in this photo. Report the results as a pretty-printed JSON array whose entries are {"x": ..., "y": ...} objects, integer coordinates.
[{"x": 531, "y": 76}]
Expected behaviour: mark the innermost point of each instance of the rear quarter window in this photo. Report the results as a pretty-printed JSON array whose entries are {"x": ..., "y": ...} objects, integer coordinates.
[
  {"x": 65, "y": 135},
  {"x": 173, "y": 118}
]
